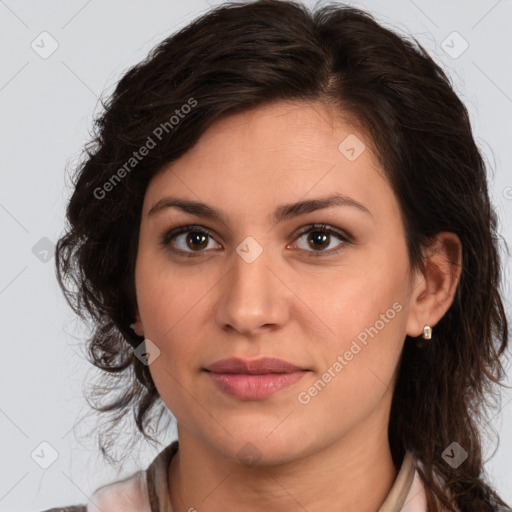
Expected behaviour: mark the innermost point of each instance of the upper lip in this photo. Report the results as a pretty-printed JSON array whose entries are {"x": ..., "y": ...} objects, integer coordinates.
[{"x": 260, "y": 366}]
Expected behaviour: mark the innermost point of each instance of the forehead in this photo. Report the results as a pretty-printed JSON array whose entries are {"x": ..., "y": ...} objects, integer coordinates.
[
  {"x": 284, "y": 128},
  {"x": 276, "y": 153}
]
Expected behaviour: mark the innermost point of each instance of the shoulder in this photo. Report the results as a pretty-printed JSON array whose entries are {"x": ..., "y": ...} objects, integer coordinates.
[
  {"x": 143, "y": 491},
  {"x": 74, "y": 508},
  {"x": 139, "y": 492},
  {"x": 416, "y": 499},
  {"x": 128, "y": 495}
]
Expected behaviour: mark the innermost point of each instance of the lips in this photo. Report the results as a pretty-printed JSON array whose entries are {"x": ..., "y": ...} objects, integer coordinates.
[
  {"x": 254, "y": 380},
  {"x": 261, "y": 366}
]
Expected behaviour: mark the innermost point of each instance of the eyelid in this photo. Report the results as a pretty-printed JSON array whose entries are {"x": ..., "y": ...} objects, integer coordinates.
[
  {"x": 173, "y": 232},
  {"x": 344, "y": 236},
  {"x": 180, "y": 229},
  {"x": 328, "y": 228}
]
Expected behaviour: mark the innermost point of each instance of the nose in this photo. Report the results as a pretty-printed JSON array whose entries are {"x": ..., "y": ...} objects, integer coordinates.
[{"x": 253, "y": 295}]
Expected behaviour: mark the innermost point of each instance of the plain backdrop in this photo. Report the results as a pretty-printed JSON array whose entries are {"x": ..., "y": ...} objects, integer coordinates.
[{"x": 47, "y": 105}]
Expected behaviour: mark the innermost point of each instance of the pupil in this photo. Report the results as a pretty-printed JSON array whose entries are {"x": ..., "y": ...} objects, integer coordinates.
[
  {"x": 318, "y": 238},
  {"x": 194, "y": 237}
]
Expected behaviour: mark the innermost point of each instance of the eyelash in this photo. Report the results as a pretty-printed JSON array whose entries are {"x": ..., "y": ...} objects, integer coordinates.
[{"x": 324, "y": 228}]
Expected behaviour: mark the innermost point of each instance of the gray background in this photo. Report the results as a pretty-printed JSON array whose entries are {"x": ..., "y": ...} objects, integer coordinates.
[{"x": 47, "y": 106}]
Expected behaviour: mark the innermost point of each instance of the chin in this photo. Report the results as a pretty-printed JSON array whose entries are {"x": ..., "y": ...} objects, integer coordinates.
[{"x": 260, "y": 448}]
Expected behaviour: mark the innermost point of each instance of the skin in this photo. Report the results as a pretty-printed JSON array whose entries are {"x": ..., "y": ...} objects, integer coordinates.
[{"x": 333, "y": 452}]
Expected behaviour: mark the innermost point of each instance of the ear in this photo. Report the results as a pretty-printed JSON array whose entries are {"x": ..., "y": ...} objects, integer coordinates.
[
  {"x": 137, "y": 325},
  {"x": 435, "y": 286}
]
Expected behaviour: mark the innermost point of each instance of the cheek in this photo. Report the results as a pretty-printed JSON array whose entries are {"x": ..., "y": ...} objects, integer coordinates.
[
  {"x": 173, "y": 321},
  {"x": 357, "y": 367},
  {"x": 167, "y": 295},
  {"x": 172, "y": 313},
  {"x": 366, "y": 312},
  {"x": 356, "y": 304}
]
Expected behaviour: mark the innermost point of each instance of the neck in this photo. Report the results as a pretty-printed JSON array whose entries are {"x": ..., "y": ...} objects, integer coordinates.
[{"x": 354, "y": 473}]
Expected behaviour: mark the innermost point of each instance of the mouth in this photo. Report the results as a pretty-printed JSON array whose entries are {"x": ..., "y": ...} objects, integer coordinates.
[
  {"x": 262, "y": 366},
  {"x": 254, "y": 380}
]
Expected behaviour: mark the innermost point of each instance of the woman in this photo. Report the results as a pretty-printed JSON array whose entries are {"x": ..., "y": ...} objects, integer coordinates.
[{"x": 283, "y": 229}]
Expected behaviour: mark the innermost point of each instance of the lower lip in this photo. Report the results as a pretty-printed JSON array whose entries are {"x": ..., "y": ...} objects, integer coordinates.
[{"x": 254, "y": 387}]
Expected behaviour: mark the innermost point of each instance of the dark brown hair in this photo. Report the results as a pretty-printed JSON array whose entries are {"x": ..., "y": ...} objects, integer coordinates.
[{"x": 243, "y": 55}]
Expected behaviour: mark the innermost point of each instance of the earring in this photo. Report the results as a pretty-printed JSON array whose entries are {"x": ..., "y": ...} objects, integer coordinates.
[{"x": 427, "y": 332}]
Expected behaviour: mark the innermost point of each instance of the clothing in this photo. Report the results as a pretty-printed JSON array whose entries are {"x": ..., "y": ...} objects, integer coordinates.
[{"x": 148, "y": 491}]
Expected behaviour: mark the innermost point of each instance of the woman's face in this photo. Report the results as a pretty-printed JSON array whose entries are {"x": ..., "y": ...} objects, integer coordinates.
[{"x": 262, "y": 284}]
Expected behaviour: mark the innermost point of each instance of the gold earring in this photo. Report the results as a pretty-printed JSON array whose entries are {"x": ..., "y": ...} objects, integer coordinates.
[{"x": 427, "y": 332}]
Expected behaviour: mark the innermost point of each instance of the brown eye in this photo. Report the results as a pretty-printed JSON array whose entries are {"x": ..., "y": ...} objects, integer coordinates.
[
  {"x": 187, "y": 240},
  {"x": 193, "y": 241},
  {"x": 196, "y": 240},
  {"x": 320, "y": 237}
]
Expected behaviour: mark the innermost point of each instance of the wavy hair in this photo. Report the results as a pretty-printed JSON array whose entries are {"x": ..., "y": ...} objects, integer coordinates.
[{"x": 240, "y": 56}]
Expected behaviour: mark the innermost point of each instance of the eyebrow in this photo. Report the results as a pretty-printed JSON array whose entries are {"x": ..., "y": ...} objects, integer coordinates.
[{"x": 281, "y": 213}]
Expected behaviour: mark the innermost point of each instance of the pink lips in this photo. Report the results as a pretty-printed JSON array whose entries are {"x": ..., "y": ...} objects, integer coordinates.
[{"x": 254, "y": 380}]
